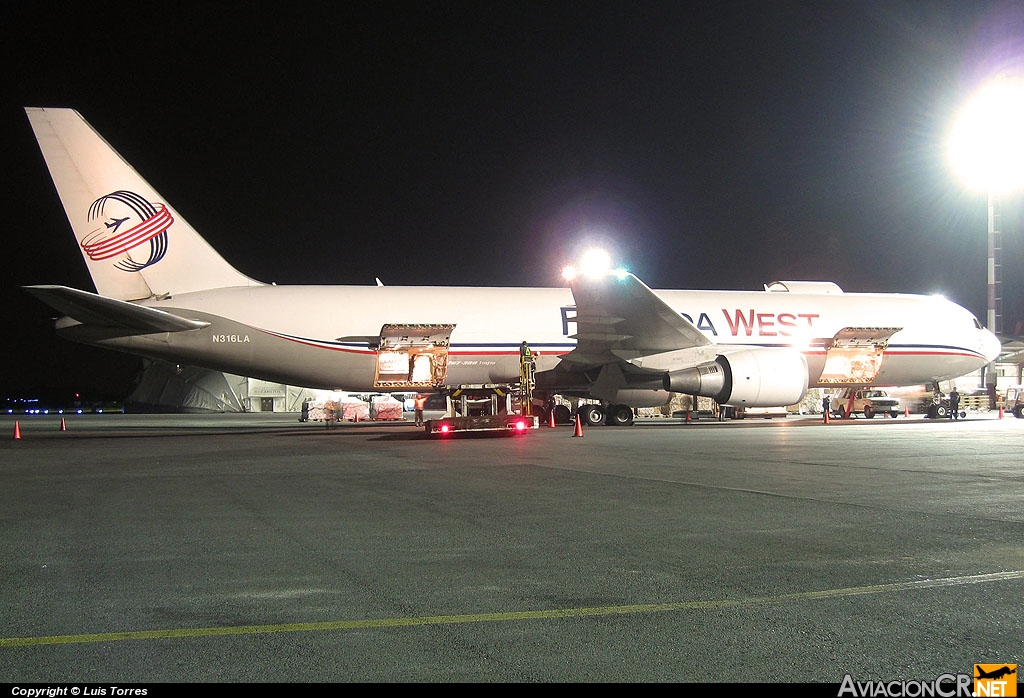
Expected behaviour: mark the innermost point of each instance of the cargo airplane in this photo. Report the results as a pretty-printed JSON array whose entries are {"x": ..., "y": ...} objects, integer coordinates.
[{"x": 164, "y": 293}]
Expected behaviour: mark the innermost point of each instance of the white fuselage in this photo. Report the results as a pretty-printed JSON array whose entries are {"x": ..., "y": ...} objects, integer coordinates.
[{"x": 304, "y": 334}]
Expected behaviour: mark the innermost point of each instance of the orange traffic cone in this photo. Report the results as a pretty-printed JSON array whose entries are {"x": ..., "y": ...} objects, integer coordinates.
[
  {"x": 63, "y": 426},
  {"x": 17, "y": 429},
  {"x": 551, "y": 418},
  {"x": 688, "y": 419},
  {"x": 579, "y": 426},
  {"x": 1000, "y": 412},
  {"x": 824, "y": 417}
]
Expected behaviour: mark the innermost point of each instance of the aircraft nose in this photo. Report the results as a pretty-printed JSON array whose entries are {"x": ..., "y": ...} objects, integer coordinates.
[{"x": 991, "y": 347}]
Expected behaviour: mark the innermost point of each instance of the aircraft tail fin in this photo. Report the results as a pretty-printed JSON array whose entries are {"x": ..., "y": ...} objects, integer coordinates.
[{"x": 134, "y": 243}]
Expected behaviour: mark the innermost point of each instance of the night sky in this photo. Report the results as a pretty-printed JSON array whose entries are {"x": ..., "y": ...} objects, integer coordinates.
[{"x": 706, "y": 145}]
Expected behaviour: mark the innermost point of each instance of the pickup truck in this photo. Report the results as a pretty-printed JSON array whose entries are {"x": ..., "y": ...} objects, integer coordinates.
[{"x": 866, "y": 401}]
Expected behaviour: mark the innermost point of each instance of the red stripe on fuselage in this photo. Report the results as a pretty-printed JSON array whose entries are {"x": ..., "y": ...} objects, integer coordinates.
[{"x": 349, "y": 350}]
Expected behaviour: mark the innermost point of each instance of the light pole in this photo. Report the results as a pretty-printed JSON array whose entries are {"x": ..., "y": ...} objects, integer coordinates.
[
  {"x": 994, "y": 316},
  {"x": 987, "y": 150}
]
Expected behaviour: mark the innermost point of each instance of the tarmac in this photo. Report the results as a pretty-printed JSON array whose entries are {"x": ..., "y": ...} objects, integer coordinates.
[{"x": 254, "y": 548}]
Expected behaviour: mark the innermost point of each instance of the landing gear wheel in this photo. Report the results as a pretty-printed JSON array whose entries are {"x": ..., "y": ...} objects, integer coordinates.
[
  {"x": 562, "y": 415},
  {"x": 869, "y": 413},
  {"x": 593, "y": 415},
  {"x": 620, "y": 415}
]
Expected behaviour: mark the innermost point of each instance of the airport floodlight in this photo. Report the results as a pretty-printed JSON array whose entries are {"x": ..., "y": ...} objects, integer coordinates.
[
  {"x": 986, "y": 148},
  {"x": 595, "y": 262},
  {"x": 986, "y": 145}
]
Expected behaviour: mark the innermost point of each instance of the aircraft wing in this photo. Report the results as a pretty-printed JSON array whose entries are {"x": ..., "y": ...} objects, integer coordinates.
[
  {"x": 92, "y": 309},
  {"x": 619, "y": 318}
]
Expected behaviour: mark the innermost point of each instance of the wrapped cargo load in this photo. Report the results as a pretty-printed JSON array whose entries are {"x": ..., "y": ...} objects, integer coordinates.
[
  {"x": 354, "y": 411},
  {"x": 386, "y": 408}
]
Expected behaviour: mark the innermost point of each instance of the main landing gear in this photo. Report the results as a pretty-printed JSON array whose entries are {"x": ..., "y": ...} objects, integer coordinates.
[
  {"x": 612, "y": 415},
  {"x": 592, "y": 414}
]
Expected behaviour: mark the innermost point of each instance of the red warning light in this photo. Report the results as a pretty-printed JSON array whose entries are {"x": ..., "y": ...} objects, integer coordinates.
[
  {"x": 444, "y": 428},
  {"x": 520, "y": 425}
]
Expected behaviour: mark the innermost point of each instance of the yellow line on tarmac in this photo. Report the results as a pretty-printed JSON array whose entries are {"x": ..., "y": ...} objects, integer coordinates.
[{"x": 510, "y": 616}]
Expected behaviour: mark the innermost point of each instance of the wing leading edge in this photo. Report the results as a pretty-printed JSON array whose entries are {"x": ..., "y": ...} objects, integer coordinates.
[{"x": 618, "y": 318}]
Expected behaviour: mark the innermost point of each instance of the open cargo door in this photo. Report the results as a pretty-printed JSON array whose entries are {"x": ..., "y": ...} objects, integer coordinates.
[
  {"x": 854, "y": 355},
  {"x": 412, "y": 356}
]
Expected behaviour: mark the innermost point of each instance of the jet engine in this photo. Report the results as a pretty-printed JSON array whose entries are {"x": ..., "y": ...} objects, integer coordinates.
[{"x": 765, "y": 377}]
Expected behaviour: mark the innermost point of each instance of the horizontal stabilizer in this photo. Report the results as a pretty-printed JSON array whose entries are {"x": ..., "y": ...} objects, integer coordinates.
[{"x": 91, "y": 309}]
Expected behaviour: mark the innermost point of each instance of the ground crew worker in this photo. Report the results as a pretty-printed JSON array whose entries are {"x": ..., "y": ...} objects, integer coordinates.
[
  {"x": 420, "y": 402},
  {"x": 954, "y": 404}
]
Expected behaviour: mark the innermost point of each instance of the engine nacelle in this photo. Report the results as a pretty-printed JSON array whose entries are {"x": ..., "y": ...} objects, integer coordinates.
[
  {"x": 639, "y": 397},
  {"x": 766, "y": 377}
]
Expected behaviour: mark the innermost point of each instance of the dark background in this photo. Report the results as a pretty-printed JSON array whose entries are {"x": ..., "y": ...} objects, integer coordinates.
[{"x": 707, "y": 145}]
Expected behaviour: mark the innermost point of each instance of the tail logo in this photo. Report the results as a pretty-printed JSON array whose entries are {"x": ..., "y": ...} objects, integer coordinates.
[{"x": 129, "y": 221}]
